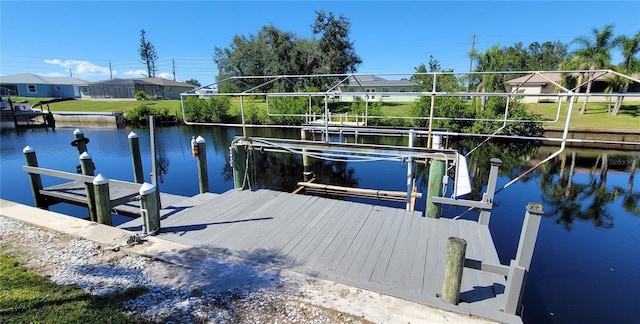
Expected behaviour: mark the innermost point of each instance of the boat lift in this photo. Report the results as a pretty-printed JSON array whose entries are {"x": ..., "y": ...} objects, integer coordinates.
[{"x": 325, "y": 123}]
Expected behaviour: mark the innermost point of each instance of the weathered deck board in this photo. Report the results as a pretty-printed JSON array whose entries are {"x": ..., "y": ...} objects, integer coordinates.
[{"x": 378, "y": 248}]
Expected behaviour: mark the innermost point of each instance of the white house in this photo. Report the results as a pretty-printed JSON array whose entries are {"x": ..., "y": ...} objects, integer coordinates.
[
  {"x": 374, "y": 88},
  {"x": 540, "y": 87}
]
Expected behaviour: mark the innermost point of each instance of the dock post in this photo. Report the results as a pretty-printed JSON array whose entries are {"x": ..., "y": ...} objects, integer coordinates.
[
  {"x": 134, "y": 146},
  {"x": 410, "y": 173},
  {"x": 80, "y": 142},
  {"x": 150, "y": 212},
  {"x": 238, "y": 158},
  {"x": 103, "y": 201},
  {"x": 485, "y": 215},
  {"x": 436, "y": 174},
  {"x": 519, "y": 268},
  {"x": 456, "y": 250},
  {"x": 307, "y": 173},
  {"x": 86, "y": 165},
  {"x": 203, "y": 175},
  {"x": 513, "y": 291},
  {"x": 35, "y": 179}
]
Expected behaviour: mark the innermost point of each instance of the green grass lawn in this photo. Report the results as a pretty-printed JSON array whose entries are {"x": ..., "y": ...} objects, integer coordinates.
[
  {"x": 596, "y": 116},
  {"x": 26, "y": 297},
  {"x": 106, "y": 105}
]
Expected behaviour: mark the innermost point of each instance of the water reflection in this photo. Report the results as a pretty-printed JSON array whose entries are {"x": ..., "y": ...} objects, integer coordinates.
[{"x": 588, "y": 199}]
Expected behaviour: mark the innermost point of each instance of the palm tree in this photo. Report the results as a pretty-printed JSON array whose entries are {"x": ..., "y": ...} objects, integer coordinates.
[
  {"x": 595, "y": 52},
  {"x": 630, "y": 47}
]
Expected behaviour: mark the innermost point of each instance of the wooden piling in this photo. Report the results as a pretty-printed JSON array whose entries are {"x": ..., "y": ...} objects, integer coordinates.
[
  {"x": 239, "y": 159},
  {"x": 203, "y": 174},
  {"x": 103, "y": 201},
  {"x": 86, "y": 165},
  {"x": 306, "y": 173},
  {"x": 436, "y": 173},
  {"x": 34, "y": 179},
  {"x": 136, "y": 159},
  {"x": 80, "y": 142},
  {"x": 150, "y": 210},
  {"x": 456, "y": 250}
]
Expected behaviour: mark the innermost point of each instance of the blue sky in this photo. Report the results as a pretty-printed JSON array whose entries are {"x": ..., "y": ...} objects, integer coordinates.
[{"x": 54, "y": 38}]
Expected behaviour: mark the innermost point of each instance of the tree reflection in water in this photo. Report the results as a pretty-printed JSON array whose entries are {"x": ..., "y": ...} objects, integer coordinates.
[{"x": 584, "y": 201}]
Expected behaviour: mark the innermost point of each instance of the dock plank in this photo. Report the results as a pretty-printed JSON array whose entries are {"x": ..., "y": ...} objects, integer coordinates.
[{"x": 383, "y": 249}]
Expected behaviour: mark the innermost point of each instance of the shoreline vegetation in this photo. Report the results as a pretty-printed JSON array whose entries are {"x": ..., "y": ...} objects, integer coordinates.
[{"x": 227, "y": 110}]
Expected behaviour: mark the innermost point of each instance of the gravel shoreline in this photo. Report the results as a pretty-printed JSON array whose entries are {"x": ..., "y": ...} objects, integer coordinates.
[{"x": 175, "y": 295}]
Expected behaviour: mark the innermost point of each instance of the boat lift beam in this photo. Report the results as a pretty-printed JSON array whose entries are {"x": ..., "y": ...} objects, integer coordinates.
[{"x": 353, "y": 148}]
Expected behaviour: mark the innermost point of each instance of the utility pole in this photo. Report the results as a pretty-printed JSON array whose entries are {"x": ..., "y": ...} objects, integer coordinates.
[
  {"x": 110, "y": 71},
  {"x": 70, "y": 73},
  {"x": 173, "y": 66},
  {"x": 473, "y": 44}
]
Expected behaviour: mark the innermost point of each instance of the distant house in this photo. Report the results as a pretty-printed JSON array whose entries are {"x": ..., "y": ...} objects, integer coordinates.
[
  {"x": 31, "y": 85},
  {"x": 375, "y": 88},
  {"x": 155, "y": 88},
  {"x": 541, "y": 87}
]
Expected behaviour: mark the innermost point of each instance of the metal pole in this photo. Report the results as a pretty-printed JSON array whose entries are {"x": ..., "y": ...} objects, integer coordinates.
[
  {"x": 154, "y": 167},
  {"x": 244, "y": 128},
  {"x": 136, "y": 159},
  {"x": 410, "y": 173},
  {"x": 433, "y": 103}
]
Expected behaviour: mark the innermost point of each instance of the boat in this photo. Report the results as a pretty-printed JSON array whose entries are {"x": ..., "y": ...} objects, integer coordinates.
[{"x": 21, "y": 114}]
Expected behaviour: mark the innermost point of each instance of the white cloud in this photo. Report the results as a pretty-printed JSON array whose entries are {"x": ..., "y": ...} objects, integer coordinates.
[
  {"x": 80, "y": 68},
  {"x": 136, "y": 73},
  {"x": 165, "y": 75}
]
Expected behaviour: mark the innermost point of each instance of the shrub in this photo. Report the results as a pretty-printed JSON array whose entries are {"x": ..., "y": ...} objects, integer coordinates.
[
  {"x": 212, "y": 110},
  {"x": 141, "y": 95},
  {"x": 140, "y": 116}
]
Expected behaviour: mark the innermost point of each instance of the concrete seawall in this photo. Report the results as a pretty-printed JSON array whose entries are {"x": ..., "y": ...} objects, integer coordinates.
[
  {"x": 594, "y": 138},
  {"x": 88, "y": 120}
]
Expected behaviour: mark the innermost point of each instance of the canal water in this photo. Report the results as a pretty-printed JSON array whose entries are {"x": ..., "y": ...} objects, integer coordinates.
[{"x": 586, "y": 265}]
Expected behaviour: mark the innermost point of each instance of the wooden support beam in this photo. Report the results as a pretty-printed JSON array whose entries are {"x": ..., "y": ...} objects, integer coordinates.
[{"x": 373, "y": 193}]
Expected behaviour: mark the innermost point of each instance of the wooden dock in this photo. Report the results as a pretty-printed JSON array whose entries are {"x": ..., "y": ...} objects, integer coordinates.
[{"x": 383, "y": 249}]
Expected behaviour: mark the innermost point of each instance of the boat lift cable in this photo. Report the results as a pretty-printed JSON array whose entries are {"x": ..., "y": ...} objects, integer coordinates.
[{"x": 504, "y": 124}]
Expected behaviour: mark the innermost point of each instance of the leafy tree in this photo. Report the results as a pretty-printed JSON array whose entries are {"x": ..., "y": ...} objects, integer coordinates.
[
  {"x": 338, "y": 53},
  {"x": 595, "y": 53},
  {"x": 148, "y": 54},
  {"x": 193, "y": 82},
  {"x": 445, "y": 107},
  {"x": 630, "y": 47},
  {"x": 539, "y": 57}
]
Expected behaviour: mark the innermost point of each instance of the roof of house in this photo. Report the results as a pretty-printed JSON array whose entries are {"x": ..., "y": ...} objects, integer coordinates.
[
  {"x": 545, "y": 78},
  {"x": 28, "y": 78},
  {"x": 372, "y": 80},
  {"x": 142, "y": 81}
]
